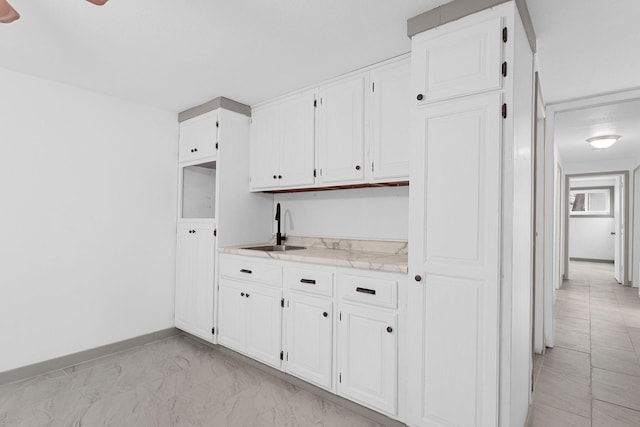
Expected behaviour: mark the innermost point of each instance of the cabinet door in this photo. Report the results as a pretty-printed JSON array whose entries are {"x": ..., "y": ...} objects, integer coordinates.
[
  {"x": 341, "y": 131},
  {"x": 390, "y": 121},
  {"x": 263, "y": 149},
  {"x": 367, "y": 350},
  {"x": 297, "y": 140},
  {"x": 458, "y": 59},
  {"x": 455, "y": 250},
  {"x": 198, "y": 137},
  {"x": 264, "y": 324},
  {"x": 309, "y": 338},
  {"x": 195, "y": 279},
  {"x": 232, "y": 312}
]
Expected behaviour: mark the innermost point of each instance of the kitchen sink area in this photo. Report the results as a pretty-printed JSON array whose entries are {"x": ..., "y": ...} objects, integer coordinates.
[{"x": 274, "y": 248}]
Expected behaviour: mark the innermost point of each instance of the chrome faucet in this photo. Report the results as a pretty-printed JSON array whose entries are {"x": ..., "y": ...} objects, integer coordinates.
[{"x": 279, "y": 237}]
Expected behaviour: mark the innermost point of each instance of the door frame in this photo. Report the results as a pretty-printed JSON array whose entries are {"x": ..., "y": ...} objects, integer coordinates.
[
  {"x": 625, "y": 218},
  {"x": 550, "y": 161},
  {"x": 537, "y": 290}
]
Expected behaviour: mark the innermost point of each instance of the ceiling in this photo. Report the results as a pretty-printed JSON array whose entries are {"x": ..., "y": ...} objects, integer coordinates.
[
  {"x": 175, "y": 55},
  {"x": 574, "y": 127},
  {"x": 586, "y": 47}
]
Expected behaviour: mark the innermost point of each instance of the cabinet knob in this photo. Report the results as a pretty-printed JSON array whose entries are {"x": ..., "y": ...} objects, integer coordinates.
[
  {"x": 247, "y": 295},
  {"x": 420, "y": 97},
  {"x": 418, "y": 278},
  {"x": 241, "y": 294},
  {"x": 279, "y": 176},
  {"x": 195, "y": 150},
  {"x": 389, "y": 329},
  {"x": 275, "y": 177},
  {"x": 325, "y": 314},
  {"x": 357, "y": 167}
]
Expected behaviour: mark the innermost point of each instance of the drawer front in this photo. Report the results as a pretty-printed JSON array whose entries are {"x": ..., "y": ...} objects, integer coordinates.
[
  {"x": 368, "y": 290},
  {"x": 251, "y": 270},
  {"x": 309, "y": 280}
]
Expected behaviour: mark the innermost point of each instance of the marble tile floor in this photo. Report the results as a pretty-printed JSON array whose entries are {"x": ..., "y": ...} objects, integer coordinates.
[
  {"x": 592, "y": 375},
  {"x": 173, "y": 382}
]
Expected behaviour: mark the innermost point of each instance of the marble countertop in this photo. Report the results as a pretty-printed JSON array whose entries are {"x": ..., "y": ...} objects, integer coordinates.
[{"x": 364, "y": 254}]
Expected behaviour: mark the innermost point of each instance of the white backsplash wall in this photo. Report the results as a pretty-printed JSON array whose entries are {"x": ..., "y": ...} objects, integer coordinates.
[{"x": 380, "y": 213}]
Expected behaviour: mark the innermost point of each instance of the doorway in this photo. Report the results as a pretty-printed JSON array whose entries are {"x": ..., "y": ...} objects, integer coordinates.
[{"x": 595, "y": 218}]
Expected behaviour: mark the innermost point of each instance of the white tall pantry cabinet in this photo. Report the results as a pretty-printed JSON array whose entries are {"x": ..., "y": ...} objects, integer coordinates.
[
  {"x": 214, "y": 208},
  {"x": 472, "y": 87}
]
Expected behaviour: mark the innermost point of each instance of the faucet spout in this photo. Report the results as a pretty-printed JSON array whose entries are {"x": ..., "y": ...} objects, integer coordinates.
[{"x": 279, "y": 237}]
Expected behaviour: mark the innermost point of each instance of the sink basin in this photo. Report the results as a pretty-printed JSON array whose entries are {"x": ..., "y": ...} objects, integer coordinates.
[{"x": 275, "y": 248}]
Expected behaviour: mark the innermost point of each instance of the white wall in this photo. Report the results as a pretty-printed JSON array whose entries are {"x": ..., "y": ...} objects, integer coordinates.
[
  {"x": 589, "y": 237},
  {"x": 380, "y": 213},
  {"x": 87, "y": 223}
]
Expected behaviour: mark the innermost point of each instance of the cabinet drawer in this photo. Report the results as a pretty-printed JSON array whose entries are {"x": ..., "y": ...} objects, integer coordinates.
[
  {"x": 368, "y": 290},
  {"x": 309, "y": 281},
  {"x": 251, "y": 270}
]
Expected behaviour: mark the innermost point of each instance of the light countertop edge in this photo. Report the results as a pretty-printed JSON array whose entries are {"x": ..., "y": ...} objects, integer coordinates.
[{"x": 375, "y": 261}]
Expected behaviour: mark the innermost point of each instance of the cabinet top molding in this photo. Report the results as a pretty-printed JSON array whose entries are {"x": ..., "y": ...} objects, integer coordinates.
[
  {"x": 219, "y": 102},
  {"x": 460, "y": 8}
]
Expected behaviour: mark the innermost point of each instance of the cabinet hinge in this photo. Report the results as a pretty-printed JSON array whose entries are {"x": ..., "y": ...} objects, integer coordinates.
[
  {"x": 373, "y": 86},
  {"x": 282, "y": 302},
  {"x": 215, "y": 232},
  {"x": 371, "y": 166},
  {"x": 504, "y": 35},
  {"x": 341, "y": 316},
  {"x": 213, "y": 331},
  {"x": 217, "y": 124},
  {"x": 340, "y": 377},
  {"x": 282, "y": 355},
  {"x": 315, "y": 103},
  {"x": 217, "y": 145},
  {"x": 315, "y": 173},
  {"x": 504, "y": 69},
  {"x": 504, "y": 111},
  {"x": 287, "y": 356}
]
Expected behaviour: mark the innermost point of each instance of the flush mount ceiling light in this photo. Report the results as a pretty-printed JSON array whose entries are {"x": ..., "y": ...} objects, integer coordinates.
[
  {"x": 8, "y": 14},
  {"x": 604, "y": 141}
]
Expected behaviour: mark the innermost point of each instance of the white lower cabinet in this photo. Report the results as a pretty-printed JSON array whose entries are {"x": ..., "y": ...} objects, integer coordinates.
[
  {"x": 250, "y": 319},
  {"x": 264, "y": 323},
  {"x": 367, "y": 361},
  {"x": 368, "y": 339},
  {"x": 250, "y": 307},
  {"x": 195, "y": 279},
  {"x": 309, "y": 338},
  {"x": 287, "y": 315}
]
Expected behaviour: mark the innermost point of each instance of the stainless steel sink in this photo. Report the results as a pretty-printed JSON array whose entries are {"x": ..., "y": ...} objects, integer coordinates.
[{"x": 275, "y": 248}]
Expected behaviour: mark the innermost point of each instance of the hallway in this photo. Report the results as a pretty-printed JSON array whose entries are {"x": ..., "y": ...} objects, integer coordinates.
[{"x": 592, "y": 375}]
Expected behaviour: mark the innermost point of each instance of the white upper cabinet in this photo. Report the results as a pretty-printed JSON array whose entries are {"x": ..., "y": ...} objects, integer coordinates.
[
  {"x": 341, "y": 131},
  {"x": 283, "y": 143},
  {"x": 297, "y": 140},
  {"x": 351, "y": 130},
  {"x": 199, "y": 137},
  {"x": 391, "y": 107},
  {"x": 451, "y": 61},
  {"x": 195, "y": 278},
  {"x": 264, "y": 148}
]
